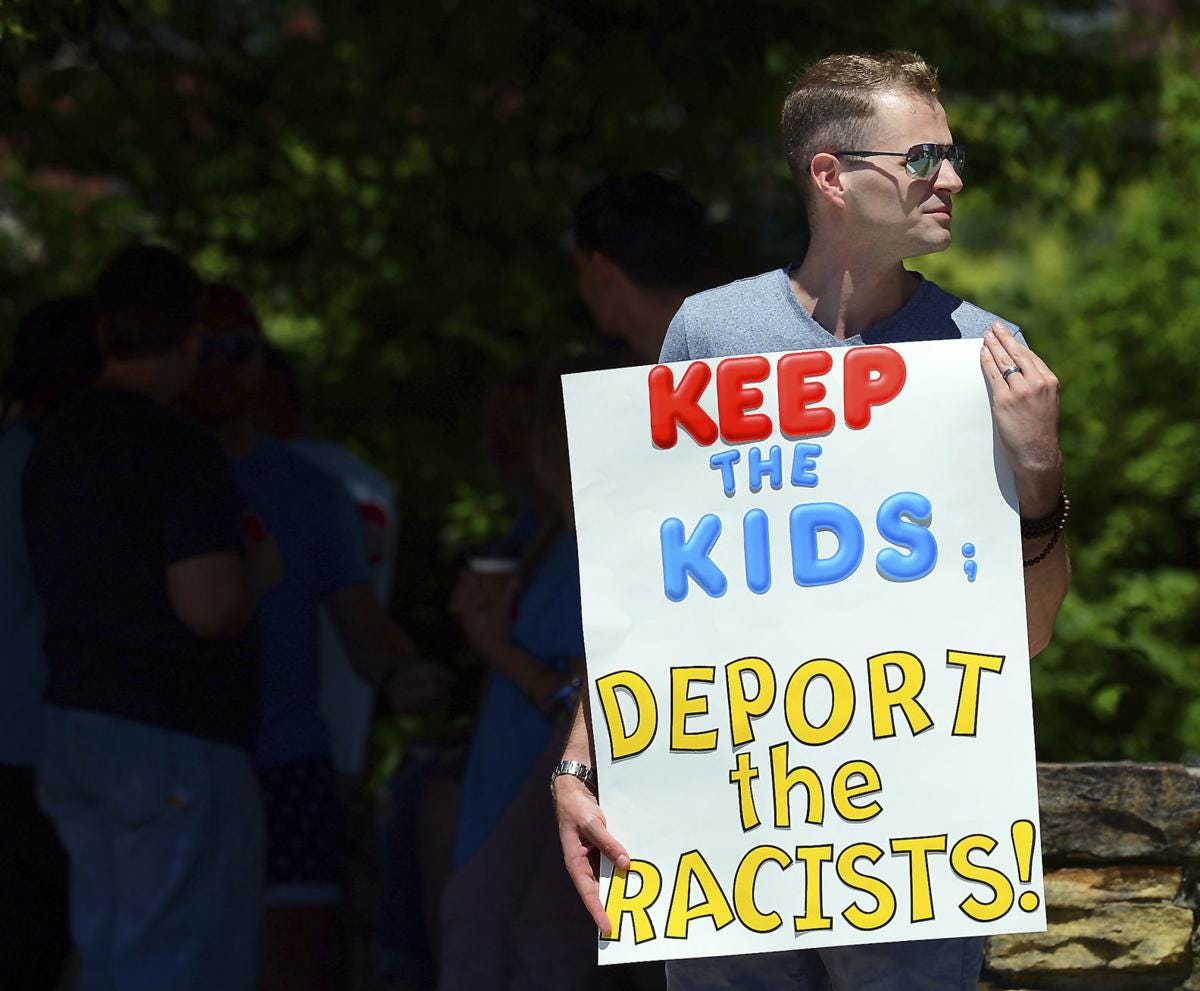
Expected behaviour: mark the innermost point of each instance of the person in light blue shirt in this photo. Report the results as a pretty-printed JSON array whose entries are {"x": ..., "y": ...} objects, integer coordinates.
[
  {"x": 308, "y": 515},
  {"x": 55, "y": 356},
  {"x": 509, "y": 915}
]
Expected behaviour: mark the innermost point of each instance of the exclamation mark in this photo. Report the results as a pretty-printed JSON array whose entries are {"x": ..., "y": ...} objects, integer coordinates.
[{"x": 1023, "y": 834}]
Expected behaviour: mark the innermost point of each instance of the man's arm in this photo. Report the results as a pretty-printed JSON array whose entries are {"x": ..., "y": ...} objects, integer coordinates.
[
  {"x": 210, "y": 595},
  {"x": 1026, "y": 407},
  {"x": 381, "y": 652},
  {"x": 581, "y": 825}
]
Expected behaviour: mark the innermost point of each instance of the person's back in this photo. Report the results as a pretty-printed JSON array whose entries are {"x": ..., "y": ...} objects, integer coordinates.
[
  {"x": 117, "y": 489},
  {"x": 134, "y": 536}
]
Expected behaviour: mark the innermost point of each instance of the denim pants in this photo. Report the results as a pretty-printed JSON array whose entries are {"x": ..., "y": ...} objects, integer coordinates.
[
  {"x": 164, "y": 832},
  {"x": 921, "y": 965}
]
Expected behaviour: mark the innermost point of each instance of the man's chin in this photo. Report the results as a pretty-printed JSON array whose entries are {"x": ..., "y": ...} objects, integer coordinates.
[{"x": 931, "y": 244}]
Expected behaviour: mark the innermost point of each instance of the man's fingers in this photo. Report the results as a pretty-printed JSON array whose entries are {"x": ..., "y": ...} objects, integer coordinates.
[
  {"x": 593, "y": 832},
  {"x": 990, "y": 369},
  {"x": 998, "y": 351},
  {"x": 580, "y": 870}
]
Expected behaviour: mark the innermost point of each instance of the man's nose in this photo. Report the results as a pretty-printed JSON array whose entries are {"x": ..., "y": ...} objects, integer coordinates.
[{"x": 947, "y": 179}]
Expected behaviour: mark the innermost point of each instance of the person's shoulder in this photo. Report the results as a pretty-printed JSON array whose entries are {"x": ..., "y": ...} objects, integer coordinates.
[
  {"x": 733, "y": 297},
  {"x": 339, "y": 461},
  {"x": 705, "y": 322},
  {"x": 971, "y": 319},
  {"x": 309, "y": 480}
]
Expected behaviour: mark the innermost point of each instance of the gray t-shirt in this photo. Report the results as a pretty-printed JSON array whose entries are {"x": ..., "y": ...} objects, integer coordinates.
[{"x": 761, "y": 315}]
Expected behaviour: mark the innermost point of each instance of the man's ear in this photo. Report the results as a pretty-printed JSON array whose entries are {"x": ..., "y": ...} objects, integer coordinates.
[
  {"x": 825, "y": 174},
  {"x": 606, "y": 270}
]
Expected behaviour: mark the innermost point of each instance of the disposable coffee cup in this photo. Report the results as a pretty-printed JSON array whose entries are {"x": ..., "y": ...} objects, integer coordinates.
[
  {"x": 493, "y": 565},
  {"x": 493, "y": 575}
]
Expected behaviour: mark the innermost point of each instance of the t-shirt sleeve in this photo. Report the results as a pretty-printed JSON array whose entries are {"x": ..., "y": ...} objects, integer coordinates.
[
  {"x": 675, "y": 345},
  {"x": 202, "y": 513},
  {"x": 343, "y": 541}
]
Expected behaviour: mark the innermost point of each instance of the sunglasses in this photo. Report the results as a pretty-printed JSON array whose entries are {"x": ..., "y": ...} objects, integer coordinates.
[
  {"x": 235, "y": 348},
  {"x": 920, "y": 161}
]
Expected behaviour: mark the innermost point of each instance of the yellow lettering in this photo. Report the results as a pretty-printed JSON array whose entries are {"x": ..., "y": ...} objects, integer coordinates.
[
  {"x": 843, "y": 701},
  {"x": 885, "y": 899},
  {"x": 684, "y": 705},
  {"x": 844, "y": 792},
  {"x": 741, "y": 708},
  {"x": 714, "y": 904},
  {"x": 624, "y": 743},
  {"x": 814, "y": 916},
  {"x": 742, "y": 775},
  {"x": 884, "y": 699},
  {"x": 620, "y": 903},
  {"x": 1001, "y": 886},
  {"x": 918, "y": 849},
  {"x": 966, "y": 716},
  {"x": 743, "y": 888},
  {"x": 784, "y": 779}
]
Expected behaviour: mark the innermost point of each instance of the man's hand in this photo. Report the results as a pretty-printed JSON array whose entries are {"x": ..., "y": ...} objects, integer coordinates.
[
  {"x": 584, "y": 835},
  {"x": 483, "y": 605},
  {"x": 417, "y": 686},
  {"x": 1026, "y": 408}
]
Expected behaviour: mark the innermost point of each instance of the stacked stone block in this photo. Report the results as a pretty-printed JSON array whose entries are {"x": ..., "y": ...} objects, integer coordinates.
[{"x": 1121, "y": 851}]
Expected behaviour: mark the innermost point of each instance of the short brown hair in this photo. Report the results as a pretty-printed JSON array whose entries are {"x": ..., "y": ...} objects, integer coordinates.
[
  {"x": 149, "y": 301},
  {"x": 833, "y": 100}
]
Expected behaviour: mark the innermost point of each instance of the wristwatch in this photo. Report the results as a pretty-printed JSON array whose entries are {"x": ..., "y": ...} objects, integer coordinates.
[{"x": 575, "y": 768}]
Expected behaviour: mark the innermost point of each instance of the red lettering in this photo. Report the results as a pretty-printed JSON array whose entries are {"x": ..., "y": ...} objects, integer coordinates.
[
  {"x": 863, "y": 391},
  {"x": 672, "y": 407},
  {"x": 734, "y": 398},
  {"x": 795, "y": 394}
]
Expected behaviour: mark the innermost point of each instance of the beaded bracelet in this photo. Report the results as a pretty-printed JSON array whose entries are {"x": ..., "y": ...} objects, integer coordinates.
[{"x": 1052, "y": 524}]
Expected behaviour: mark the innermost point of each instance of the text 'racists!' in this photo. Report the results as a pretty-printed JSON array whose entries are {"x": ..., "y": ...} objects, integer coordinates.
[{"x": 872, "y": 377}]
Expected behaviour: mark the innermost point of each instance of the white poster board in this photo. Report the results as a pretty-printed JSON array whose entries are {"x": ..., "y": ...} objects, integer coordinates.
[{"x": 807, "y": 657}]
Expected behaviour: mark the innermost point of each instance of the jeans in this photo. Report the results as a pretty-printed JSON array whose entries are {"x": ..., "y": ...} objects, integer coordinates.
[
  {"x": 164, "y": 832},
  {"x": 921, "y": 965}
]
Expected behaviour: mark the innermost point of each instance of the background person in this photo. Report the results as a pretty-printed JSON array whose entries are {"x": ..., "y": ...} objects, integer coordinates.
[
  {"x": 639, "y": 253},
  {"x": 318, "y": 530},
  {"x": 510, "y": 918},
  {"x": 135, "y": 542},
  {"x": 54, "y": 357}
]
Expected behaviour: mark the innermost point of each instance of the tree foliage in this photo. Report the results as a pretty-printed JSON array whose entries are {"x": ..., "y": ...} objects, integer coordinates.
[{"x": 393, "y": 185}]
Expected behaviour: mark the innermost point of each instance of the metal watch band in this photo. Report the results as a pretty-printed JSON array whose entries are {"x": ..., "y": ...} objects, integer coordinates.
[{"x": 575, "y": 768}]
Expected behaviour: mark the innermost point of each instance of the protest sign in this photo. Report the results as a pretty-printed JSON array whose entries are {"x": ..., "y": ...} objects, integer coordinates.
[{"x": 807, "y": 658}]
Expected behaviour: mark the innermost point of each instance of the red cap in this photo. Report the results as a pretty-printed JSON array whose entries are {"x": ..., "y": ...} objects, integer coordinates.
[{"x": 227, "y": 311}]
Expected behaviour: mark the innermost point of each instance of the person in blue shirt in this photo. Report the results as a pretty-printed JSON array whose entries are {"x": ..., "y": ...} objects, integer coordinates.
[
  {"x": 309, "y": 516},
  {"x": 510, "y": 918},
  {"x": 55, "y": 357}
]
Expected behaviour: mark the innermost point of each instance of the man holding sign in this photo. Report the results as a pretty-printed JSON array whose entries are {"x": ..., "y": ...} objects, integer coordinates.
[{"x": 869, "y": 145}]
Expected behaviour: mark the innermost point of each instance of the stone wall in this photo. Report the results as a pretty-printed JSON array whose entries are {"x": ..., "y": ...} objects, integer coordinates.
[{"x": 1121, "y": 850}]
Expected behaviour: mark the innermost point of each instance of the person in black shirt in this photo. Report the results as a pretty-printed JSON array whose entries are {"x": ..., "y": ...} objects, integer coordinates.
[{"x": 135, "y": 542}]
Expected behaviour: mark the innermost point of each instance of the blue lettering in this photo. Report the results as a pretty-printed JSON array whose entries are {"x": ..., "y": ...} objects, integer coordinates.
[
  {"x": 725, "y": 460},
  {"x": 803, "y": 463},
  {"x": 806, "y": 522},
  {"x": 682, "y": 557},
  {"x": 903, "y": 519},
  {"x": 758, "y": 469},
  {"x": 758, "y": 551}
]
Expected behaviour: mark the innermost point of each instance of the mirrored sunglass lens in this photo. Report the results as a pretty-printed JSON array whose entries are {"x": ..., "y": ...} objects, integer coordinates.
[
  {"x": 920, "y": 161},
  {"x": 957, "y": 156}
]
